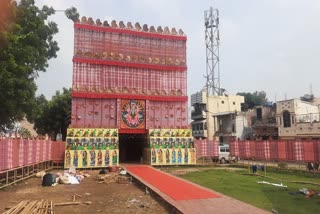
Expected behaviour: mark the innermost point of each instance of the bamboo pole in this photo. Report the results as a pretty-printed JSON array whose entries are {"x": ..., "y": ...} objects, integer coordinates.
[{"x": 72, "y": 203}]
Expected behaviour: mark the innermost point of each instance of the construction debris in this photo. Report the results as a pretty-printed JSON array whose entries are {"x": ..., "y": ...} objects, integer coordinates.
[
  {"x": 74, "y": 195},
  {"x": 28, "y": 206},
  {"x": 114, "y": 178},
  {"x": 72, "y": 203},
  {"x": 274, "y": 184}
]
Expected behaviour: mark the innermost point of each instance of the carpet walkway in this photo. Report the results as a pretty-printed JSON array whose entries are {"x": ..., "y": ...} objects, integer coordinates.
[{"x": 175, "y": 188}]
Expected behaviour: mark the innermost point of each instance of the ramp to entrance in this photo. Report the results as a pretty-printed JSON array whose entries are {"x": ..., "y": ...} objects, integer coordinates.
[
  {"x": 186, "y": 197},
  {"x": 175, "y": 188}
]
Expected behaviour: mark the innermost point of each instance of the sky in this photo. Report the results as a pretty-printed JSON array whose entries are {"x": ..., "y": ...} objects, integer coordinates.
[{"x": 269, "y": 45}]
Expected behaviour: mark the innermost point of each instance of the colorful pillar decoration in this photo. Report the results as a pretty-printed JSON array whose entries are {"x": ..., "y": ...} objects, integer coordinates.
[
  {"x": 92, "y": 148},
  {"x": 171, "y": 147}
]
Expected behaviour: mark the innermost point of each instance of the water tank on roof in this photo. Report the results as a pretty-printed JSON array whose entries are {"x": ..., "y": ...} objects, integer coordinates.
[{"x": 199, "y": 97}]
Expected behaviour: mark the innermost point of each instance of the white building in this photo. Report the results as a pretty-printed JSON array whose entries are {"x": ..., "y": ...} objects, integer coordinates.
[{"x": 217, "y": 117}]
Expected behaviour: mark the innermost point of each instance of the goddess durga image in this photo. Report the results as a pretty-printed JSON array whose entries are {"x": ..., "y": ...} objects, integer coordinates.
[{"x": 132, "y": 113}]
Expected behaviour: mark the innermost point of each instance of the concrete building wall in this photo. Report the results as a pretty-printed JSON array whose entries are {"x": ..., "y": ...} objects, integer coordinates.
[
  {"x": 241, "y": 125},
  {"x": 304, "y": 118},
  {"x": 220, "y": 104}
]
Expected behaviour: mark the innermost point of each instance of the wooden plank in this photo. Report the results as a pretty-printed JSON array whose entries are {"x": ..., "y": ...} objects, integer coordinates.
[
  {"x": 17, "y": 208},
  {"x": 72, "y": 203}
]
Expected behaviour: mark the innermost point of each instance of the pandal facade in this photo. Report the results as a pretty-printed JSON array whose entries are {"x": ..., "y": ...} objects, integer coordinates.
[{"x": 129, "y": 96}]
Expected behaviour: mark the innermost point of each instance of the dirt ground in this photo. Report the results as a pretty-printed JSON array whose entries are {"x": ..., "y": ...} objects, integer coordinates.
[{"x": 105, "y": 197}]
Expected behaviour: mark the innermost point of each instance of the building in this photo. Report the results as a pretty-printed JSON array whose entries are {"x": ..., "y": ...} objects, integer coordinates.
[
  {"x": 217, "y": 117},
  {"x": 298, "y": 119},
  {"x": 129, "y": 95},
  {"x": 263, "y": 122}
]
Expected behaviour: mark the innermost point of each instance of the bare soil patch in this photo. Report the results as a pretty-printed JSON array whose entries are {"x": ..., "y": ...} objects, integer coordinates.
[{"x": 105, "y": 197}]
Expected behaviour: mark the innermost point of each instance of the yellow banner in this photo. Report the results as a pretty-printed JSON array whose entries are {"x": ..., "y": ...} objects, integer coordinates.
[
  {"x": 91, "y": 158},
  {"x": 173, "y": 156},
  {"x": 170, "y": 133}
]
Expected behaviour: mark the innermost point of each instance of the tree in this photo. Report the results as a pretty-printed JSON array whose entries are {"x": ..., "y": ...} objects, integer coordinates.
[
  {"x": 72, "y": 14},
  {"x": 252, "y": 100},
  {"x": 26, "y": 45},
  {"x": 53, "y": 117}
]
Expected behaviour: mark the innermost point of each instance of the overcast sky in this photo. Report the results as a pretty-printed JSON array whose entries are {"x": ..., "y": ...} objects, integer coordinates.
[{"x": 270, "y": 45}]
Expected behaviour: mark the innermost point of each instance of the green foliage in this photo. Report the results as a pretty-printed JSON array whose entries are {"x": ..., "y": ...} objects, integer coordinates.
[
  {"x": 243, "y": 187},
  {"x": 72, "y": 14},
  {"x": 24, "y": 133},
  {"x": 52, "y": 117},
  {"x": 26, "y": 45},
  {"x": 253, "y": 99}
]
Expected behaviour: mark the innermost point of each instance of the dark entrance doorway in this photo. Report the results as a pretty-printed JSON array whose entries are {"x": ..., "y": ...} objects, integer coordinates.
[{"x": 131, "y": 147}]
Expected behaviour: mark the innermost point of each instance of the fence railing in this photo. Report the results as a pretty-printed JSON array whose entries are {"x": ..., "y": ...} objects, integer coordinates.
[
  {"x": 306, "y": 151},
  {"x": 18, "y": 152}
]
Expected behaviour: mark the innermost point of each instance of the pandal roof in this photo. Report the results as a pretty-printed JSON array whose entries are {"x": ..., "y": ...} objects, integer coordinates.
[{"x": 136, "y": 27}]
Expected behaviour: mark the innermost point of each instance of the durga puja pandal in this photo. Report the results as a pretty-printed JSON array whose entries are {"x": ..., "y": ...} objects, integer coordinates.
[{"x": 129, "y": 96}]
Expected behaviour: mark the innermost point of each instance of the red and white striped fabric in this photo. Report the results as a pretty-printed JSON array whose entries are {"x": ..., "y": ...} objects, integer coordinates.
[
  {"x": 118, "y": 112},
  {"x": 273, "y": 150},
  {"x": 253, "y": 149},
  {"x": 247, "y": 149},
  {"x": 29, "y": 151},
  {"x": 213, "y": 148},
  {"x": 282, "y": 150},
  {"x": 9, "y": 153},
  {"x": 308, "y": 151},
  {"x": 137, "y": 79},
  {"x": 44, "y": 150},
  {"x": 236, "y": 148},
  {"x": 38, "y": 150},
  {"x": 167, "y": 114},
  {"x": 242, "y": 149},
  {"x": 57, "y": 151},
  {"x": 290, "y": 150},
  {"x": 260, "y": 150},
  {"x": 34, "y": 149},
  {"x": 298, "y": 151},
  {"x": 128, "y": 44},
  {"x": 21, "y": 152},
  {"x": 96, "y": 113},
  {"x": 201, "y": 147},
  {"x": 317, "y": 150},
  {"x": 2, "y": 153},
  {"x": 49, "y": 143},
  {"x": 15, "y": 152},
  {"x": 204, "y": 148},
  {"x": 266, "y": 148}
]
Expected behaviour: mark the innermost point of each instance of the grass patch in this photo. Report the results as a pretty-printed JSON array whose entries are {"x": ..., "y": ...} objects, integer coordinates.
[{"x": 244, "y": 187}]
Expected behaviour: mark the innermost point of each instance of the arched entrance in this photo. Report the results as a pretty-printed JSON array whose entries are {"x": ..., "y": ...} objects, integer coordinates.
[{"x": 131, "y": 147}]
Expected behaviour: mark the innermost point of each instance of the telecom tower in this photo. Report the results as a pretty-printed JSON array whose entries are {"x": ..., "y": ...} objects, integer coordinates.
[{"x": 211, "y": 18}]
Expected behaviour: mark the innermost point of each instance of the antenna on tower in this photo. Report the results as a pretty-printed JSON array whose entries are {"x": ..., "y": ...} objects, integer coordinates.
[
  {"x": 311, "y": 92},
  {"x": 211, "y": 22}
]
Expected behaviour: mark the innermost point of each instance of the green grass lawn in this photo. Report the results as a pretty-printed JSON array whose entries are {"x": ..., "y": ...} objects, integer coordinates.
[{"x": 236, "y": 184}]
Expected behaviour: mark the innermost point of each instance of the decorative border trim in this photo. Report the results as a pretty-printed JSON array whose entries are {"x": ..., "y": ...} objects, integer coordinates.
[
  {"x": 133, "y": 131},
  {"x": 79, "y": 94},
  {"x": 130, "y": 64},
  {"x": 132, "y": 32}
]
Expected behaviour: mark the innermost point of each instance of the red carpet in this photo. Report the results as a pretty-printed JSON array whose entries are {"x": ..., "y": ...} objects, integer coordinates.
[{"x": 175, "y": 188}]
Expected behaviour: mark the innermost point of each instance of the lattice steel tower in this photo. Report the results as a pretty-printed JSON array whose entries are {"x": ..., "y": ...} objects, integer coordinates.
[{"x": 211, "y": 21}]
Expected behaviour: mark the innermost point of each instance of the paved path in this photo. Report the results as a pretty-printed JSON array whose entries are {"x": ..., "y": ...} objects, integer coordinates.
[{"x": 222, "y": 205}]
